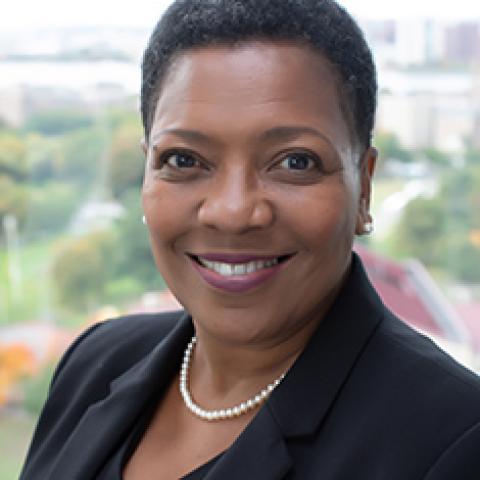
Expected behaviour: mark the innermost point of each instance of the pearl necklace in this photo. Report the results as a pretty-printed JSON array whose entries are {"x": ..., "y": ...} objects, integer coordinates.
[{"x": 223, "y": 414}]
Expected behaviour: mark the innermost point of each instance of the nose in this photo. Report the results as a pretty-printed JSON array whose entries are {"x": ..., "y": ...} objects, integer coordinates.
[{"x": 235, "y": 204}]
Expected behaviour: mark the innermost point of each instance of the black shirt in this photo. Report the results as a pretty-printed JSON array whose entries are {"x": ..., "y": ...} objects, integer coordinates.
[{"x": 113, "y": 469}]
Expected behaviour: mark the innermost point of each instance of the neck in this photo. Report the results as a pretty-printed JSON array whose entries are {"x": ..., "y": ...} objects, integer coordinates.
[
  {"x": 228, "y": 368},
  {"x": 225, "y": 372},
  {"x": 227, "y": 363}
]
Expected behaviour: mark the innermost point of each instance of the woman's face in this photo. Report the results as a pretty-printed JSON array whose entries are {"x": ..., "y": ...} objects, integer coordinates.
[{"x": 252, "y": 190}]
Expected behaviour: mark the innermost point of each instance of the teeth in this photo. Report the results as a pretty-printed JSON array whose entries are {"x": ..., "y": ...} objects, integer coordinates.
[
  {"x": 230, "y": 269},
  {"x": 251, "y": 267},
  {"x": 239, "y": 269}
]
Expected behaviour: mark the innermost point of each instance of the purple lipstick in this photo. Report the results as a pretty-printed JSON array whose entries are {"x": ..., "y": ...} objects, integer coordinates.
[{"x": 237, "y": 273}]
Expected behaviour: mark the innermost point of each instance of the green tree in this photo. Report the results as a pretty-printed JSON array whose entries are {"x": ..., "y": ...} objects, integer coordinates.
[
  {"x": 390, "y": 147},
  {"x": 13, "y": 199},
  {"x": 13, "y": 162},
  {"x": 126, "y": 160},
  {"x": 44, "y": 158},
  {"x": 117, "y": 117},
  {"x": 58, "y": 122},
  {"x": 82, "y": 155},
  {"x": 437, "y": 157},
  {"x": 472, "y": 156},
  {"x": 81, "y": 269},
  {"x": 420, "y": 230},
  {"x": 50, "y": 208},
  {"x": 35, "y": 390},
  {"x": 134, "y": 257},
  {"x": 444, "y": 231},
  {"x": 462, "y": 258}
]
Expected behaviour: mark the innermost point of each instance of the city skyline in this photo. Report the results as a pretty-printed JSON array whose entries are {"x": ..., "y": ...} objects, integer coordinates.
[{"x": 144, "y": 13}]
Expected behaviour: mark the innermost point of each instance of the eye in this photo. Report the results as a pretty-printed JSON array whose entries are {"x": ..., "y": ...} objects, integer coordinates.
[
  {"x": 299, "y": 161},
  {"x": 179, "y": 160}
]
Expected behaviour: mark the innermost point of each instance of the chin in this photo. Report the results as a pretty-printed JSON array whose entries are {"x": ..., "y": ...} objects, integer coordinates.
[{"x": 242, "y": 325}]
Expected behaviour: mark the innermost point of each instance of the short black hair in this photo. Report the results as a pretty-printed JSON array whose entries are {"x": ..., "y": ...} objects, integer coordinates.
[{"x": 320, "y": 24}]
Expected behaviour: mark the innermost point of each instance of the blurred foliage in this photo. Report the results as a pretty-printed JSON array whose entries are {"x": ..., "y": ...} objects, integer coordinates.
[
  {"x": 82, "y": 155},
  {"x": 472, "y": 156},
  {"x": 50, "y": 208},
  {"x": 35, "y": 390},
  {"x": 58, "y": 122},
  {"x": 390, "y": 147},
  {"x": 13, "y": 199},
  {"x": 117, "y": 117},
  {"x": 13, "y": 173},
  {"x": 114, "y": 265},
  {"x": 133, "y": 248},
  {"x": 444, "y": 231},
  {"x": 59, "y": 161},
  {"x": 16, "y": 430},
  {"x": 12, "y": 157},
  {"x": 437, "y": 157},
  {"x": 81, "y": 268},
  {"x": 45, "y": 158},
  {"x": 16, "y": 361},
  {"x": 420, "y": 230},
  {"x": 126, "y": 160}
]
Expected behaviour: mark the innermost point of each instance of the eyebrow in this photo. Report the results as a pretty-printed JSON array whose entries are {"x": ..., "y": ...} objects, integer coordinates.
[
  {"x": 189, "y": 135},
  {"x": 289, "y": 133},
  {"x": 283, "y": 133}
]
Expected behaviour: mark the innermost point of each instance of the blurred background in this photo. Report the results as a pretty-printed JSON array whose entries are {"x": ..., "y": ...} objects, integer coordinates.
[{"x": 73, "y": 250}]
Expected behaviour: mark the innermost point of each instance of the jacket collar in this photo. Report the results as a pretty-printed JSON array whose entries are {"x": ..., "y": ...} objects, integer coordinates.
[
  {"x": 303, "y": 399},
  {"x": 106, "y": 422},
  {"x": 259, "y": 452}
]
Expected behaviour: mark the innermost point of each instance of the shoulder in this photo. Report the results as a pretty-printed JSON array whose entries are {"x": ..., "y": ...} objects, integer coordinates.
[
  {"x": 412, "y": 355},
  {"x": 424, "y": 391},
  {"x": 422, "y": 407},
  {"x": 84, "y": 377},
  {"x": 121, "y": 341},
  {"x": 127, "y": 331}
]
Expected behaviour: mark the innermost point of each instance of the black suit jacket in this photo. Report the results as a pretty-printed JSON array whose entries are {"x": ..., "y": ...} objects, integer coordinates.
[{"x": 368, "y": 399}]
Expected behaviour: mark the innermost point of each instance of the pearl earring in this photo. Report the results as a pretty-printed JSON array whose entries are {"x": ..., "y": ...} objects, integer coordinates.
[
  {"x": 368, "y": 228},
  {"x": 144, "y": 220}
]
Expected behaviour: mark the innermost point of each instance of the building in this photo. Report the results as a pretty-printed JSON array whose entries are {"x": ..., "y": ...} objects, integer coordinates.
[{"x": 462, "y": 43}]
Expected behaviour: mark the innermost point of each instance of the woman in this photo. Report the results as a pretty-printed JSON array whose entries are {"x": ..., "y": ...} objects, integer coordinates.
[{"x": 258, "y": 117}]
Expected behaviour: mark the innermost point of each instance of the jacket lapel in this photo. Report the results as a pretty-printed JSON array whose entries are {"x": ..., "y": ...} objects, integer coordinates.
[
  {"x": 259, "y": 452},
  {"x": 105, "y": 423},
  {"x": 303, "y": 400}
]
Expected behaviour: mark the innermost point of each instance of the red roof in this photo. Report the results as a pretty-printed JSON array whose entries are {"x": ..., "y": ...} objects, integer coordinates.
[
  {"x": 470, "y": 314},
  {"x": 394, "y": 283}
]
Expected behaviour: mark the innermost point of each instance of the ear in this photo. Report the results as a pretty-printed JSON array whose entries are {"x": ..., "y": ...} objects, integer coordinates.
[
  {"x": 366, "y": 170},
  {"x": 144, "y": 146}
]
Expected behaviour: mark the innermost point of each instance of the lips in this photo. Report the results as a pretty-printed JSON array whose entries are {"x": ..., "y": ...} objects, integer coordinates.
[
  {"x": 237, "y": 272},
  {"x": 234, "y": 257}
]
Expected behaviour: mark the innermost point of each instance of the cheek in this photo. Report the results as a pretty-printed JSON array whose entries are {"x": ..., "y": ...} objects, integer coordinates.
[
  {"x": 167, "y": 213},
  {"x": 321, "y": 217}
]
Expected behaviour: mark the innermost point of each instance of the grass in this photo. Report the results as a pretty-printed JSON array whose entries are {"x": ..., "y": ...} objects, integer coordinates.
[
  {"x": 16, "y": 431},
  {"x": 30, "y": 300}
]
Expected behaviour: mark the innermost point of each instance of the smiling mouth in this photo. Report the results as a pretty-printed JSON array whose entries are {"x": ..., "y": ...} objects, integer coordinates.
[{"x": 238, "y": 268}]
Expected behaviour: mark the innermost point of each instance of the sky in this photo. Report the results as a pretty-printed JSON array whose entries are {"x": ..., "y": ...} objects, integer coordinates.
[{"x": 17, "y": 14}]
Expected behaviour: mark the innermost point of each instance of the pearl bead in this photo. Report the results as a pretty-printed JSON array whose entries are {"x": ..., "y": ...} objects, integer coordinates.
[{"x": 223, "y": 414}]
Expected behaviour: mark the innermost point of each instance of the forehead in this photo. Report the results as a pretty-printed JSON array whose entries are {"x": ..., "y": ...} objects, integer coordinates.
[{"x": 249, "y": 86}]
